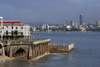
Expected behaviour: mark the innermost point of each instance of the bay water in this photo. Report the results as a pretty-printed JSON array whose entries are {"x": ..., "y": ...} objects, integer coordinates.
[{"x": 86, "y": 52}]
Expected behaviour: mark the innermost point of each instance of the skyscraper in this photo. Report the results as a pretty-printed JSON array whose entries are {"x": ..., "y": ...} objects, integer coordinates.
[
  {"x": 67, "y": 22},
  {"x": 96, "y": 22},
  {"x": 72, "y": 23},
  {"x": 81, "y": 19}
]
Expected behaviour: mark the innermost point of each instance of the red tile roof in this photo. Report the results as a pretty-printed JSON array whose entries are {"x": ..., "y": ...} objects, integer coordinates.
[{"x": 10, "y": 22}]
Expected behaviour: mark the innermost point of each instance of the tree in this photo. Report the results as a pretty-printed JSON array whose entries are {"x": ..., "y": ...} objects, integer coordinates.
[{"x": 15, "y": 33}]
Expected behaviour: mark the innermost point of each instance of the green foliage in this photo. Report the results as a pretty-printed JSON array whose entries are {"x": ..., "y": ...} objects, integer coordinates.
[{"x": 15, "y": 33}]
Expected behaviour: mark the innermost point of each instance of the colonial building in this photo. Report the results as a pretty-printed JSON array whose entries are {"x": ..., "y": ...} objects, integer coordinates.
[{"x": 10, "y": 26}]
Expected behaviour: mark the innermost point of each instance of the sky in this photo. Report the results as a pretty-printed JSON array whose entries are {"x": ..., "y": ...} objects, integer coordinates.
[{"x": 50, "y": 11}]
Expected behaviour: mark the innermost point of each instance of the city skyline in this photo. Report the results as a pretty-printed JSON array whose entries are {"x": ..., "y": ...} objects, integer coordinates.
[{"x": 53, "y": 11}]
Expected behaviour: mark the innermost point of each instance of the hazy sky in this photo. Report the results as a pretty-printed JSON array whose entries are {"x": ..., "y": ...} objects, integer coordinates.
[{"x": 50, "y": 11}]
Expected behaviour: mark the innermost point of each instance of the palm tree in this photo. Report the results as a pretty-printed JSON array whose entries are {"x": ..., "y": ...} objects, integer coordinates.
[{"x": 15, "y": 33}]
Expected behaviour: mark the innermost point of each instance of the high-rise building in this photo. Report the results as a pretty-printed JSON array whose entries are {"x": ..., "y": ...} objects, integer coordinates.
[
  {"x": 72, "y": 23},
  {"x": 76, "y": 25},
  {"x": 98, "y": 23},
  {"x": 67, "y": 22},
  {"x": 81, "y": 19}
]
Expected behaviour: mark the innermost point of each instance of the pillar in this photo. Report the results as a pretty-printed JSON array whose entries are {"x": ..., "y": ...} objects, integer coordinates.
[
  {"x": 3, "y": 51},
  {"x": 30, "y": 53},
  {"x": 33, "y": 51},
  {"x": 43, "y": 48},
  {"x": 48, "y": 47},
  {"x": 40, "y": 49},
  {"x": 10, "y": 52}
]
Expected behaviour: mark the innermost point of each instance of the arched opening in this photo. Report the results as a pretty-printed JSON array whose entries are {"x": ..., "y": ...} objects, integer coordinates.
[
  {"x": 20, "y": 53},
  {"x": 0, "y": 49},
  {"x": 0, "y": 46},
  {"x": 6, "y": 53}
]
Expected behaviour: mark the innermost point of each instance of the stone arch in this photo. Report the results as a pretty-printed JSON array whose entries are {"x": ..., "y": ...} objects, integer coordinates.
[
  {"x": 20, "y": 53},
  {"x": 1, "y": 43}
]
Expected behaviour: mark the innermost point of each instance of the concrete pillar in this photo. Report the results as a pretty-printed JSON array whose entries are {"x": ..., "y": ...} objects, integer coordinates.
[
  {"x": 43, "y": 48},
  {"x": 3, "y": 51},
  {"x": 33, "y": 51},
  {"x": 10, "y": 52},
  {"x": 37, "y": 50},
  {"x": 30, "y": 53},
  {"x": 40, "y": 49},
  {"x": 48, "y": 47}
]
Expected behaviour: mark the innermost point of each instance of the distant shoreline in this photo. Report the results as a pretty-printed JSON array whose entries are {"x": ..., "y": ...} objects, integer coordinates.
[{"x": 62, "y": 31}]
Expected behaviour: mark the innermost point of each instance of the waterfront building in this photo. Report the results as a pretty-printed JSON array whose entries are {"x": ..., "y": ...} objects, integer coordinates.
[
  {"x": 32, "y": 28},
  {"x": 10, "y": 26},
  {"x": 43, "y": 26},
  {"x": 68, "y": 27},
  {"x": 81, "y": 19},
  {"x": 91, "y": 26}
]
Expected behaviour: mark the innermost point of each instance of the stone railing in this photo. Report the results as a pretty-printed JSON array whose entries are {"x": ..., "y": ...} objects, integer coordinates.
[
  {"x": 25, "y": 41},
  {"x": 42, "y": 41}
]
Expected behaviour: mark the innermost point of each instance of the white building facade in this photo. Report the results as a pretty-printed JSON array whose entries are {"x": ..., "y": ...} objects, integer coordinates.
[{"x": 10, "y": 26}]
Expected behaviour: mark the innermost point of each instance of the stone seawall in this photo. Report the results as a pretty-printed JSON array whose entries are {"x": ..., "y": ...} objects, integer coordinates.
[
  {"x": 61, "y": 48},
  {"x": 71, "y": 47}
]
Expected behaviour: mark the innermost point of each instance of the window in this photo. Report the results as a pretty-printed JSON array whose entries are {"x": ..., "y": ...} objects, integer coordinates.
[
  {"x": 21, "y": 27},
  {"x": 12, "y": 27},
  {"x": 16, "y": 27}
]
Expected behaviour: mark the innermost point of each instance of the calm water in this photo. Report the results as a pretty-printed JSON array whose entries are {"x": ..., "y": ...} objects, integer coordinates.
[{"x": 85, "y": 54}]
